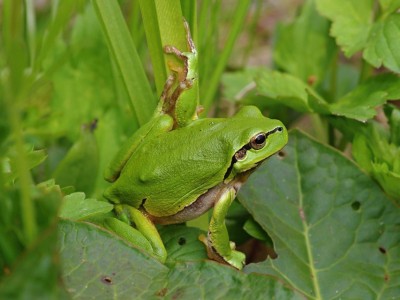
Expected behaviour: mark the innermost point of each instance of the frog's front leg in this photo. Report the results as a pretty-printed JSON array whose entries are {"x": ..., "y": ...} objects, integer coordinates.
[
  {"x": 219, "y": 247},
  {"x": 189, "y": 58},
  {"x": 145, "y": 227}
]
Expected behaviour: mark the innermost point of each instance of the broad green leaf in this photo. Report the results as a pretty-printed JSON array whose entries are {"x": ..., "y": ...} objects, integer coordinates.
[
  {"x": 290, "y": 91},
  {"x": 335, "y": 232},
  {"x": 209, "y": 280},
  {"x": 351, "y": 22},
  {"x": 80, "y": 166},
  {"x": 97, "y": 265},
  {"x": 77, "y": 207},
  {"x": 383, "y": 47},
  {"x": 361, "y": 102},
  {"x": 389, "y": 6},
  {"x": 182, "y": 243},
  {"x": 303, "y": 47},
  {"x": 237, "y": 85},
  {"x": 358, "y": 104}
]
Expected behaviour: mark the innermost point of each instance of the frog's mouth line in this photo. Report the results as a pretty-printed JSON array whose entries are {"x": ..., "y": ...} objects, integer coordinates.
[
  {"x": 234, "y": 160},
  {"x": 241, "y": 154}
]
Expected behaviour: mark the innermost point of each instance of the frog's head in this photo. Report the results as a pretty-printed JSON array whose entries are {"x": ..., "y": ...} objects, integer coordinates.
[{"x": 259, "y": 138}]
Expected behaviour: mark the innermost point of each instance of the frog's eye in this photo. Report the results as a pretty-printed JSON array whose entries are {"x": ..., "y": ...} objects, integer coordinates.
[{"x": 258, "y": 141}]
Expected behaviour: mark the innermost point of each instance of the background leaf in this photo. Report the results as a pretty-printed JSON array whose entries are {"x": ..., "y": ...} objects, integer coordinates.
[
  {"x": 77, "y": 207},
  {"x": 292, "y": 51},
  {"x": 383, "y": 47},
  {"x": 361, "y": 102},
  {"x": 116, "y": 269},
  {"x": 289, "y": 90},
  {"x": 351, "y": 22},
  {"x": 388, "y": 6},
  {"x": 329, "y": 223},
  {"x": 182, "y": 243},
  {"x": 80, "y": 166}
]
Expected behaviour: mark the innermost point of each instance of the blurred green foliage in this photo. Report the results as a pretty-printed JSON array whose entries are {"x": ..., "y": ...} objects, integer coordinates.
[{"x": 77, "y": 78}]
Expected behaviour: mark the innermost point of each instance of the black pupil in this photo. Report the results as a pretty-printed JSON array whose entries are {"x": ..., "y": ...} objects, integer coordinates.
[{"x": 260, "y": 139}]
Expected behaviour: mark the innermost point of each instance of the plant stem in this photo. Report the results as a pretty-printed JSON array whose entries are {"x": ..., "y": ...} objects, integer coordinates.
[
  {"x": 25, "y": 181},
  {"x": 365, "y": 72},
  {"x": 252, "y": 30},
  {"x": 163, "y": 25},
  {"x": 237, "y": 25},
  {"x": 127, "y": 59},
  {"x": 333, "y": 80},
  {"x": 30, "y": 30},
  {"x": 15, "y": 87}
]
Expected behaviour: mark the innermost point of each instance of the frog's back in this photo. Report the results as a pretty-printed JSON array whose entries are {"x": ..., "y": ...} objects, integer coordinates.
[{"x": 171, "y": 171}]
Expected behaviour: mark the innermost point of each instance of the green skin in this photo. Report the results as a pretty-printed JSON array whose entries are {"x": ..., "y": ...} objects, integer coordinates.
[
  {"x": 173, "y": 176},
  {"x": 176, "y": 167}
]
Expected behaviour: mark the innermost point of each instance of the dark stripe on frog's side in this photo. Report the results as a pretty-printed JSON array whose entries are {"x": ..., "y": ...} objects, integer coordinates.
[{"x": 245, "y": 148}]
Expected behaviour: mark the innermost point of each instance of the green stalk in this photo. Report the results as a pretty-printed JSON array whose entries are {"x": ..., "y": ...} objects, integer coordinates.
[
  {"x": 128, "y": 62},
  {"x": 14, "y": 91},
  {"x": 252, "y": 30},
  {"x": 163, "y": 25},
  {"x": 365, "y": 72},
  {"x": 28, "y": 212},
  {"x": 152, "y": 31},
  {"x": 237, "y": 25},
  {"x": 189, "y": 10},
  {"x": 209, "y": 18},
  {"x": 333, "y": 79},
  {"x": 30, "y": 30}
]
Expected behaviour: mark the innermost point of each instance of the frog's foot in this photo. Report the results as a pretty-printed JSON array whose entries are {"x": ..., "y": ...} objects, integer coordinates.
[
  {"x": 199, "y": 109},
  {"x": 190, "y": 44},
  {"x": 182, "y": 86},
  {"x": 169, "y": 97},
  {"x": 181, "y": 72},
  {"x": 173, "y": 50},
  {"x": 235, "y": 258},
  {"x": 189, "y": 39},
  {"x": 167, "y": 87},
  {"x": 184, "y": 56}
]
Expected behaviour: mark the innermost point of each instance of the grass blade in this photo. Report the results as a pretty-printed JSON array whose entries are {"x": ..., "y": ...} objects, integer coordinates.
[{"x": 142, "y": 99}]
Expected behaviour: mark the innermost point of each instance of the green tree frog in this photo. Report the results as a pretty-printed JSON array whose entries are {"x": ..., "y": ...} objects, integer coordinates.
[{"x": 176, "y": 167}]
